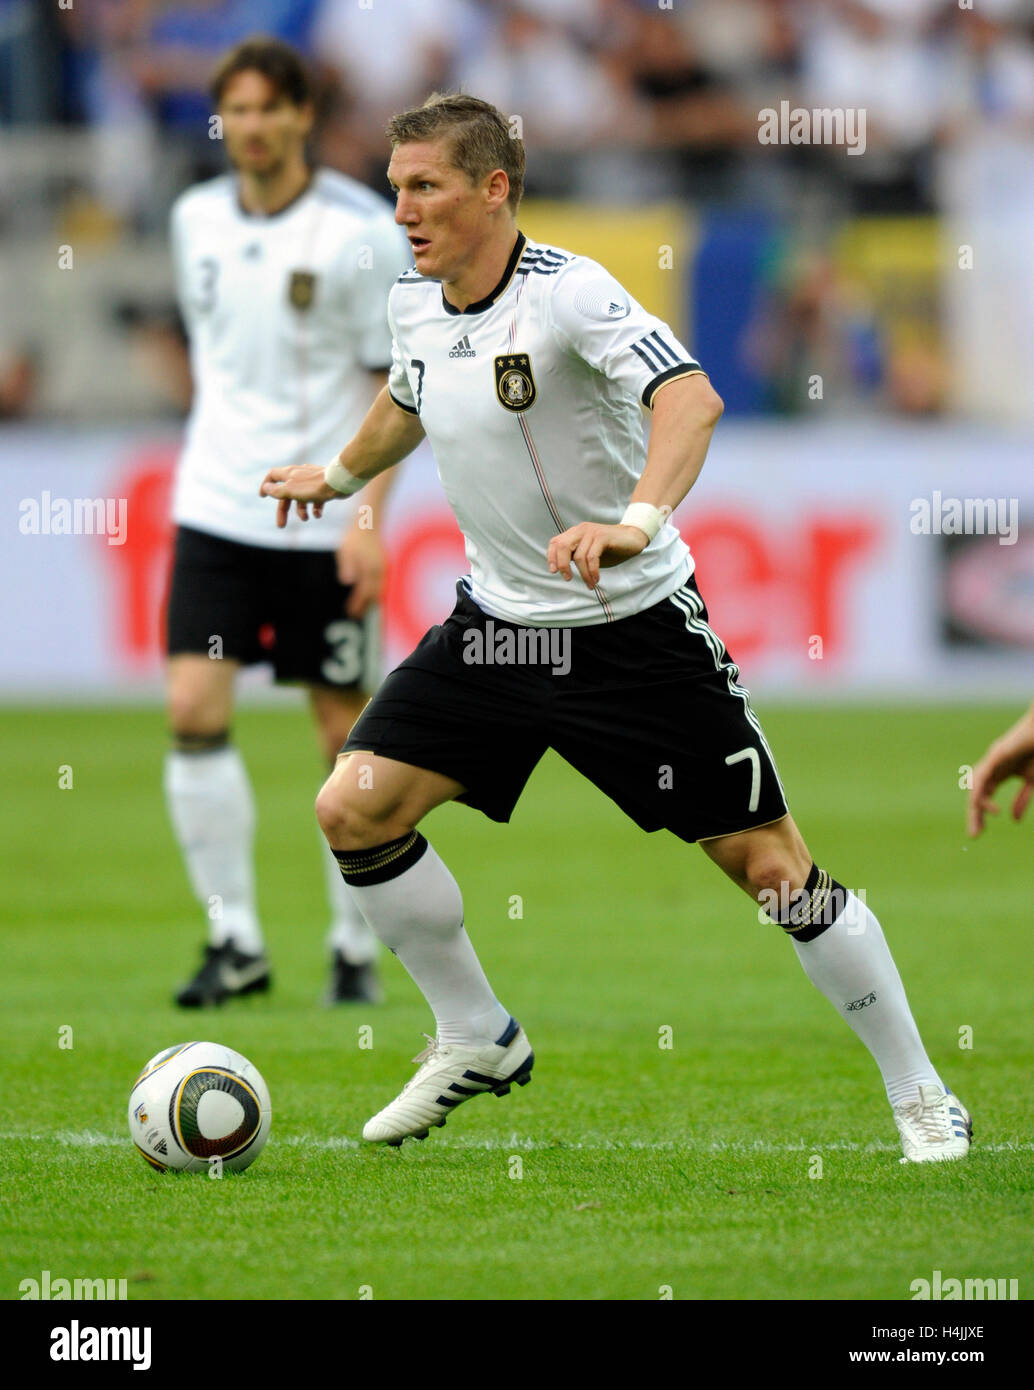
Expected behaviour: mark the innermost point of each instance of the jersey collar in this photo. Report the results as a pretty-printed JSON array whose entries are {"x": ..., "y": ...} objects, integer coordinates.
[
  {"x": 270, "y": 216},
  {"x": 480, "y": 305}
]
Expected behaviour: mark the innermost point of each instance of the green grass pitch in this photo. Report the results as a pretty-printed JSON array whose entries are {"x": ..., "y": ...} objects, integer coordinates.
[{"x": 626, "y": 1170}]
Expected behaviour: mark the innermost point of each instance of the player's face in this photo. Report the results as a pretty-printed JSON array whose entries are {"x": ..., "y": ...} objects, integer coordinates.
[
  {"x": 444, "y": 214},
  {"x": 261, "y": 128}
]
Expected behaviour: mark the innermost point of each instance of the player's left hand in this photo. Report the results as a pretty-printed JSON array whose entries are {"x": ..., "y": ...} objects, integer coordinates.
[
  {"x": 361, "y": 562},
  {"x": 590, "y": 547}
]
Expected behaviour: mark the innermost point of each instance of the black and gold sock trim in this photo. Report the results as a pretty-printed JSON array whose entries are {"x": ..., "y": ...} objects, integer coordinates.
[
  {"x": 201, "y": 743},
  {"x": 364, "y": 867},
  {"x": 813, "y": 908}
]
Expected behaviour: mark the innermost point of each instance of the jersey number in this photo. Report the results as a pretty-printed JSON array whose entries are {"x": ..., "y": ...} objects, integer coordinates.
[
  {"x": 755, "y": 773},
  {"x": 418, "y": 367},
  {"x": 209, "y": 268},
  {"x": 345, "y": 665}
]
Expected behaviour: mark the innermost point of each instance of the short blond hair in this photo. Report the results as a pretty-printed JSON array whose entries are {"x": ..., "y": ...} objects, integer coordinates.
[{"x": 480, "y": 137}]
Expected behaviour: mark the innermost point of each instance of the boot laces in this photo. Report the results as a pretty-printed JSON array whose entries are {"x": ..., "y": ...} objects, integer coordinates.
[
  {"x": 932, "y": 1120},
  {"x": 429, "y": 1051}
]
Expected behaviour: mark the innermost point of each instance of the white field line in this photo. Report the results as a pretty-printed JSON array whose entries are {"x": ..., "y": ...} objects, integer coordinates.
[{"x": 96, "y": 1139}]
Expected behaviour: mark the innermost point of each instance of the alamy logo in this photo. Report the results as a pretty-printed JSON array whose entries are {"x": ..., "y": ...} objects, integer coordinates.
[
  {"x": 47, "y": 515},
  {"x": 519, "y": 646},
  {"x": 47, "y": 1288},
  {"x": 826, "y": 125},
  {"x": 939, "y": 1288},
  {"x": 463, "y": 348},
  {"x": 966, "y": 516},
  {"x": 79, "y": 1343}
]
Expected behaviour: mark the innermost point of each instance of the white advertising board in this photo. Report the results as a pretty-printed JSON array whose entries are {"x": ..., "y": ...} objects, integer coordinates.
[{"x": 838, "y": 559}]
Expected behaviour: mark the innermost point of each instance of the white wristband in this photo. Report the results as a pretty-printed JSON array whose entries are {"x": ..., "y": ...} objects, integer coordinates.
[
  {"x": 337, "y": 476},
  {"x": 648, "y": 518}
]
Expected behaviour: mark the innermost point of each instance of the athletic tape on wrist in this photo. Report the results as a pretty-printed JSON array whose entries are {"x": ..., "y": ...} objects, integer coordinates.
[
  {"x": 648, "y": 518},
  {"x": 337, "y": 476}
]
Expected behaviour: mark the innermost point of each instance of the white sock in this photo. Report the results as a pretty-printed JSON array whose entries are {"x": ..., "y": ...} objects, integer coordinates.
[
  {"x": 418, "y": 914},
  {"x": 850, "y": 963},
  {"x": 350, "y": 932},
  {"x": 213, "y": 814}
]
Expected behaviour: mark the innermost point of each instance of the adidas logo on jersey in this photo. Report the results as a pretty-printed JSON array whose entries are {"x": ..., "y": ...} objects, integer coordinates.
[{"x": 463, "y": 348}]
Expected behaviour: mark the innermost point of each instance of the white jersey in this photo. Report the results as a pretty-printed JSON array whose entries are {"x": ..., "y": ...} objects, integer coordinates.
[
  {"x": 530, "y": 400},
  {"x": 287, "y": 317}
]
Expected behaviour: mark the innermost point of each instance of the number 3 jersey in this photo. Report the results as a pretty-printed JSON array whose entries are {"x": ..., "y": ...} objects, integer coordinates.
[
  {"x": 530, "y": 399},
  {"x": 287, "y": 316}
]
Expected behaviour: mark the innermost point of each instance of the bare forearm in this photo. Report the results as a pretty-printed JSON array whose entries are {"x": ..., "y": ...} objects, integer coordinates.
[
  {"x": 386, "y": 436},
  {"x": 685, "y": 413},
  {"x": 369, "y": 513}
]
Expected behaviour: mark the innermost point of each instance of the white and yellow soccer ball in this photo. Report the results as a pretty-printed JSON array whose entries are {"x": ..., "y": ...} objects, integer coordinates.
[{"x": 199, "y": 1107}]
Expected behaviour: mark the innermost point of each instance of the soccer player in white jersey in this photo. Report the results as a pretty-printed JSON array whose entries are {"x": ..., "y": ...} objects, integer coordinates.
[
  {"x": 525, "y": 366},
  {"x": 283, "y": 273}
]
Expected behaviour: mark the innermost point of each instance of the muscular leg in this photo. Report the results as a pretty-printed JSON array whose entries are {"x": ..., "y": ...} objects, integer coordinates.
[
  {"x": 839, "y": 943},
  {"x": 369, "y": 809},
  {"x": 368, "y": 800},
  {"x": 209, "y": 798},
  {"x": 334, "y": 712},
  {"x": 762, "y": 860}
]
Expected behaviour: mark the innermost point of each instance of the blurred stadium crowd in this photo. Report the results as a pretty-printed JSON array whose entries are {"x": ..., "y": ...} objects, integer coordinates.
[{"x": 623, "y": 102}]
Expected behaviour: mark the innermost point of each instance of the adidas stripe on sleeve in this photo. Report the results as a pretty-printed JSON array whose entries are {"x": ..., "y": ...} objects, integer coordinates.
[{"x": 597, "y": 319}]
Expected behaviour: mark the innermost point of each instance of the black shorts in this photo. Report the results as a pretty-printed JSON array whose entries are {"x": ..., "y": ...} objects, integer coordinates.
[
  {"x": 648, "y": 708},
  {"x": 251, "y": 603}
]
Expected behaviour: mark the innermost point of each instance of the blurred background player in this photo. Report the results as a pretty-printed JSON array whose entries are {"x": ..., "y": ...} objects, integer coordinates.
[
  {"x": 282, "y": 273},
  {"x": 1012, "y": 755}
]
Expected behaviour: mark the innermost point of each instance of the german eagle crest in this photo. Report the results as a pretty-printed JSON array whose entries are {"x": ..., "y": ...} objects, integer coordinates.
[{"x": 514, "y": 383}]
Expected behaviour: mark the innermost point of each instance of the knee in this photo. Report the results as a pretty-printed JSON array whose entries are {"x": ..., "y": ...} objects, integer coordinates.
[
  {"x": 335, "y": 815},
  {"x": 190, "y": 715},
  {"x": 198, "y": 697},
  {"x": 775, "y": 871},
  {"x": 352, "y": 817}
]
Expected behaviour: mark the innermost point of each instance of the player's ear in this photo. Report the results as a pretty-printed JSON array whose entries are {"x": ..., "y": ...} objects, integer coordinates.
[{"x": 496, "y": 188}]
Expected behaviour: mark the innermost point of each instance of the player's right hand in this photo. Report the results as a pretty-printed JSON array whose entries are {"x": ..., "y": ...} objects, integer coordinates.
[
  {"x": 1012, "y": 755},
  {"x": 302, "y": 483}
]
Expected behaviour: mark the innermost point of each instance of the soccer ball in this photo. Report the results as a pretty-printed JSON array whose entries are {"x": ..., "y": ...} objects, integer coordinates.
[{"x": 198, "y": 1105}]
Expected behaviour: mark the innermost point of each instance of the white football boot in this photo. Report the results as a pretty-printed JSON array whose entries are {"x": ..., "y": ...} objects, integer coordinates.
[
  {"x": 447, "y": 1077},
  {"x": 935, "y": 1127}
]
